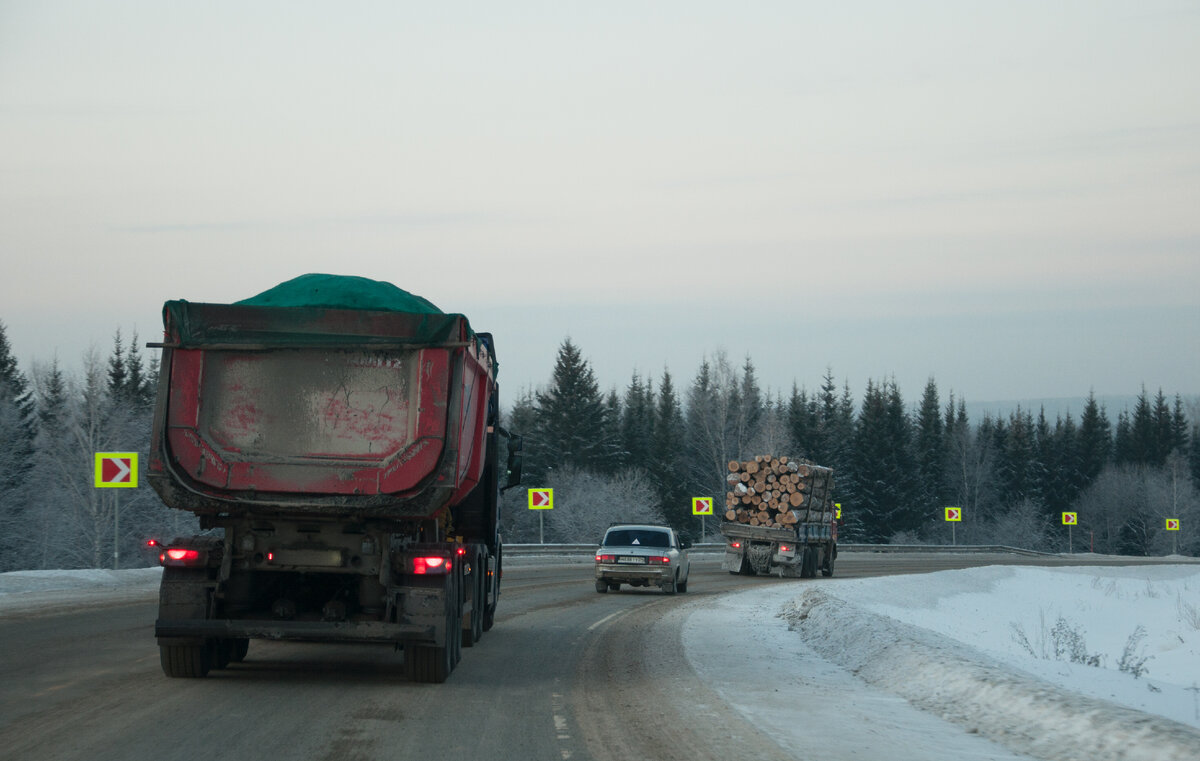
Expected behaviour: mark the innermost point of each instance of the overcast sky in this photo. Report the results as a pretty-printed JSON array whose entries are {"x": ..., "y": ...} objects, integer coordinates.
[{"x": 1004, "y": 196}]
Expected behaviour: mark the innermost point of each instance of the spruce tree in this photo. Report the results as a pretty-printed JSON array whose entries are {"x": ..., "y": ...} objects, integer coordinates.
[
  {"x": 930, "y": 446},
  {"x": 573, "y": 427},
  {"x": 1094, "y": 443},
  {"x": 666, "y": 456},
  {"x": 1179, "y": 427},
  {"x": 803, "y": 423},
  {"x": 637, "y": 421},
  {"x": 118, "y": 372}
]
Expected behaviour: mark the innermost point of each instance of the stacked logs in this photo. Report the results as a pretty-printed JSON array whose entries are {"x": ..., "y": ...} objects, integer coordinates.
[{"x": 778, "y": 492}]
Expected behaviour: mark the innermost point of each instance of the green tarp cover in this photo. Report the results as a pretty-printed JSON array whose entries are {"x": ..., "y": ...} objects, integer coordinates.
[
  {"x": 316, "y": 310},
  {"x": 341, "y": 292}
]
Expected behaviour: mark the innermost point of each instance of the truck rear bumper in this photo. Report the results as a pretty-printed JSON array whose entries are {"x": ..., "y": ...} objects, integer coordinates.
[{"x": 316, "y": 631}]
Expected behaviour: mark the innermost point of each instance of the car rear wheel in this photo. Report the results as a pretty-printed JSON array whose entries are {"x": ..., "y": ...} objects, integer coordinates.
[
  {"x": 601, "y": 586},
  {"x": 682, "y": 587},
  {"x": 670, "y": 585}
]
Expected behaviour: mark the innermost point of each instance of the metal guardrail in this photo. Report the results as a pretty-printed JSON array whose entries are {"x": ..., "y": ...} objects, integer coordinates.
[{"x": 533, "y": 550}]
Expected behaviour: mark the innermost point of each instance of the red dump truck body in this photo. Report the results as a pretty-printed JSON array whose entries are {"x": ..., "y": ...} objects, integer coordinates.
[
  {"x": 320, "y": 410},
  {"x": 339, "y": 439}
]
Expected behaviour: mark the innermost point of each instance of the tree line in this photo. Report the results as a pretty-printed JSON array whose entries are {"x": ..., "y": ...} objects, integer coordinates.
[
  {"x": 644, "y": 452},
  {"x": 897, "y": 465},
  {"x": 51, "y": 425}
]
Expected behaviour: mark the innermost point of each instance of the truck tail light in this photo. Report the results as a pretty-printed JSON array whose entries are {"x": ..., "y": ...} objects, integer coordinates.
[
  {"x": 180, "y": 557},
  {"x": 736, "y": 545},
  {"x": 784, "y": 548},
  {"x": 659, "y": 560},
  {"x": 433, "y": 565}
]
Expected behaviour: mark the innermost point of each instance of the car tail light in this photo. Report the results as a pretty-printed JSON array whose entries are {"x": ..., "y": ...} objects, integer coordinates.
[
  {"x": 658, "y": 560},
  {"x": 432, "y": 565},
  {"x": 606, "y": 558},
  {"x": 182, "y": 557}
]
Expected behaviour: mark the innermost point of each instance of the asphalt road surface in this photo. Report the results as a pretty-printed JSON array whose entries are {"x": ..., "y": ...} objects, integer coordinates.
[{"x": 565, "y": 674}]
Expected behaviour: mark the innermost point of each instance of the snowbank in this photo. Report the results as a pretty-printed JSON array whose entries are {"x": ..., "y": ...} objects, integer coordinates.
[{"x": 988, "y": 649}]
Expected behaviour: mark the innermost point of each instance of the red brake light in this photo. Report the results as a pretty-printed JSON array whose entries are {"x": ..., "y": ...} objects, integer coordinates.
[
  {"x": 783, "y": 548},
  {"x": 606, "y": 558},
  {"x": 427, "y": 566},
  {"x": 462, "y": 551},
  {"x": 151, "y": 542},
  {"x": 736, "y": 545},
  {"x": 659, "y": 560},
  {"x": 180, "y": 556}
]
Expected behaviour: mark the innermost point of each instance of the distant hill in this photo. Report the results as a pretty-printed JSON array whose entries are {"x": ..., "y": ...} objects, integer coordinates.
[{"x": 1112, "y": 404}]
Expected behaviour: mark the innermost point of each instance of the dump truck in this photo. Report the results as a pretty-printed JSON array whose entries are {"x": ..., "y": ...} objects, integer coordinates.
[
  {"x": 339, "y": 440},
  {"x": 779, "y": 518}
]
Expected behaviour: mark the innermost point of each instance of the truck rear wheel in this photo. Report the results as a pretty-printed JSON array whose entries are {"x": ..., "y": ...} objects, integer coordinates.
[
  {"x": 493, "y": 593},
  {"x": 472, "y": 633},
  {"x": 808, "y": 565},
  {"x": 185, "y": 661},
  {"x": 183, "y": 595},
  {"x": 830, "y": 555}
]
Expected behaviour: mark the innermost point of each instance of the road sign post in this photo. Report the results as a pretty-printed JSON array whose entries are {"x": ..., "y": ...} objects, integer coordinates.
[
  {"x": 116, "y": 470},
  {"x": 1070, "y": 520},
  {"x": 953, "y": 516},
  {"x": 702, "y": 506},
  {"x": 541, "y": 499},
  {"x": 1173, "y": 526}
]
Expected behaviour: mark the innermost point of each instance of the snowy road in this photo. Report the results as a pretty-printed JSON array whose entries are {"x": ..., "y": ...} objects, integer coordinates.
[{"x": 865, "y": 668}]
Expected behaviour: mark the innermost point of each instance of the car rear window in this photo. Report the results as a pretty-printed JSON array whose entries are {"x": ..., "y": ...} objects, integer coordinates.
[{"x": 636, "y": 538}]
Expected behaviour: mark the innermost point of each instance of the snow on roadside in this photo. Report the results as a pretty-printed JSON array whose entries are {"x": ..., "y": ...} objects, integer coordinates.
[
  {"x": 947, "y": 642},
  {"x": 28, "y": 591}
]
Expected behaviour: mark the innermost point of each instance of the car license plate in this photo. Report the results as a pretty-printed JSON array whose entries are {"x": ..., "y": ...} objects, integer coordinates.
[{"x": 633, "y": 559}]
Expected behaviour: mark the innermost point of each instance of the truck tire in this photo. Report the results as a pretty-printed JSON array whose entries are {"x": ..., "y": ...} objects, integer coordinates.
[
  {"x": 808, "y": 566},
  {"x": 241, "y": 646},
  {"x": 183, "y": 595},
  {"x": 493, "y": 598},
  {"x": 474, "y": 632},
  {"x": 830, "y": 555},
  {"x": 185, "y": 661}
]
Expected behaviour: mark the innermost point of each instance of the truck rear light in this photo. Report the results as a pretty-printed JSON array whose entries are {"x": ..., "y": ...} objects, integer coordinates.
[
  {"x": 182, "y": 557},
  {"x": 658, "y": 560},
  {"x": 736, "y": 545},
  {"x": 431, "y": 565},
  {"x": 784, "y": 548},
  {"x": 606, "y": 558}
]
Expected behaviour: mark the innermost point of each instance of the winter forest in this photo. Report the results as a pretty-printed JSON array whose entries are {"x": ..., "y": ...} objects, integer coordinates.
[{"x": 643, "y": 452}]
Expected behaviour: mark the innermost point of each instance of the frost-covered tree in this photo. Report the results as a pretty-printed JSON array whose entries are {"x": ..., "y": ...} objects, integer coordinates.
[{"x": 587, "y": 502}]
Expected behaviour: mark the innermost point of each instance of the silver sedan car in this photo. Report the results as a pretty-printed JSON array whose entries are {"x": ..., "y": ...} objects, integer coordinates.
[{"x": 642, "y": 556}]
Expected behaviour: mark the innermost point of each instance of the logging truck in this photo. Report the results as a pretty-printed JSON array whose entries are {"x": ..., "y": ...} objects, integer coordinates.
[
  {"x": 339, "y": 440},
  {"x": 779, "y": 518}
]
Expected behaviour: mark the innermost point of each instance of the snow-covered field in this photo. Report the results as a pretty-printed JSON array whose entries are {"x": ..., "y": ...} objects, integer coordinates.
[{"x": 986, "y": 653}]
